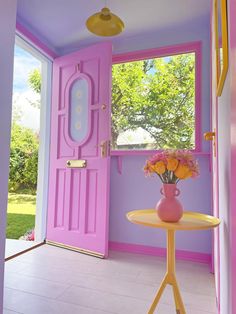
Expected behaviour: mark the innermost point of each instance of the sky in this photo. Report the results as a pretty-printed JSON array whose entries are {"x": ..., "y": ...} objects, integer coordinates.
[{"x": 23, "y": 95}]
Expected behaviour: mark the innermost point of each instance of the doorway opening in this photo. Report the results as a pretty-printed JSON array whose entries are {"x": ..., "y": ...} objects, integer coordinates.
[{"x": 28, "y": 151}]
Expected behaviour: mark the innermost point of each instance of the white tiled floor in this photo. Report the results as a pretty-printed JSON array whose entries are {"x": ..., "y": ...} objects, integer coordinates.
[
  {"x": 16, "y": 246},
  {"x": 50, "y": 280}
]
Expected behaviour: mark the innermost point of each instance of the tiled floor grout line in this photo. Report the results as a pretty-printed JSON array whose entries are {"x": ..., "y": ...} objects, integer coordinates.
[
  {"x": 61, "y": 294},
  {"x": 31, "y": 293},
  {"x": 5, "y": 308},
  {"x": 39, "y": 278},
  {"x": 55, "y": 299},
  {"x": 96, "y": 272},
  {"x": 112, "y": 293},
  {"x": 190, "y": 307},
  {"x": 102, "y": 290},
  {"x": 88, "y": 307},
  {"x": 44, "y": 279},
  {"x": 183, "y": 290},
  {"x": 60, "y": 282}
]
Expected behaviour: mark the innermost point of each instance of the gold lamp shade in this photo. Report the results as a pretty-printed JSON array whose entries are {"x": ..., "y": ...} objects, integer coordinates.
[{"x": 105, "y": 23}]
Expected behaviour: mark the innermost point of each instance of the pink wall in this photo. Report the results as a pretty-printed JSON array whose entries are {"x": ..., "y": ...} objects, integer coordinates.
[{"x": 7, "y": 39}]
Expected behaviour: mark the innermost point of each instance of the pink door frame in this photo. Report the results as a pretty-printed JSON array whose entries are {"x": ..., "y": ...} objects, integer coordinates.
[
  {"x": 190, "y": 47},
  {"x": 215, "y": 164},
  {"x": 232, "y": 214}
]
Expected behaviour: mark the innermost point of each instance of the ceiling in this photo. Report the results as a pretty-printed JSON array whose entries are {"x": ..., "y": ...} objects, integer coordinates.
[{"x": 60, "y": 24}]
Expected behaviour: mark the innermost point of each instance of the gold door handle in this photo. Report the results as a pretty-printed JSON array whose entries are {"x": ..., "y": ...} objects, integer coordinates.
[
  {"x": 105, "y": 147},
  {"x": 211, "y": 136}
]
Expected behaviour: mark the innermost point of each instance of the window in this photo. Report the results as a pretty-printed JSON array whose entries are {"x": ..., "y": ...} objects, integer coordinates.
[{"x": 155, "y": 100}]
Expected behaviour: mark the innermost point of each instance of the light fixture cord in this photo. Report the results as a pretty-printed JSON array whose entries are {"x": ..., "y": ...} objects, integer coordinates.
[{"x": 105, "y": 3}]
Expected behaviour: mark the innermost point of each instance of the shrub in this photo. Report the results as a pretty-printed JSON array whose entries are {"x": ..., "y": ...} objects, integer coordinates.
[{"x": 23, "y": 158}]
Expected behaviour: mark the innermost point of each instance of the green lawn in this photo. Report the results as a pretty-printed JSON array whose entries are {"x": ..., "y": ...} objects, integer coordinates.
[{"x": 20, "y": 214}]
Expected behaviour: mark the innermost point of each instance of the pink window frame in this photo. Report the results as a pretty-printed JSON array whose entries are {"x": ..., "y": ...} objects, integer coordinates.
[
  {"x": 34, "y": 41},
  {"x": 193, "y": 47}
]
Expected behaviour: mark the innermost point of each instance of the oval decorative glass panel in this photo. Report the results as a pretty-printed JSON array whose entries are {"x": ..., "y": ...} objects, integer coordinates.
[{"x": 79, "y": 110}]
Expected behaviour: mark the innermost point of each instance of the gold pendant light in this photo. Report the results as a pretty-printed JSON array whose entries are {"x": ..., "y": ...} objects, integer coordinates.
[{"x": 105, "y": 23}]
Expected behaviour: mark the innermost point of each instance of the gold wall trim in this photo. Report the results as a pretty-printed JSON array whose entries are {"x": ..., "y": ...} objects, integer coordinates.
[
  {"x": 73, "y": 248},
  {"x": 222, "y": 22}
]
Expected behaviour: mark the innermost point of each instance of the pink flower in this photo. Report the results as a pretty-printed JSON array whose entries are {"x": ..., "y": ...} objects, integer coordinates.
[{"x": 30, "y": 236}]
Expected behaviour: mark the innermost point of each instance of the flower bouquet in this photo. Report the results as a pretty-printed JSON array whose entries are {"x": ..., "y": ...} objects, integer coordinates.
[{"x": 171, "y": 166}]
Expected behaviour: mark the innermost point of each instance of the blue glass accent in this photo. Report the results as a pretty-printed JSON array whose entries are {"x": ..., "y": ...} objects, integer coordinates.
[{"x": 79, "y": 113}]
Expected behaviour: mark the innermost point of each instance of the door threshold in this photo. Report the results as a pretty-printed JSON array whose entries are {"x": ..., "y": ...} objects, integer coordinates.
[
  {"x": 24, "y": 250},
  {"x": 76, "y": 249}
]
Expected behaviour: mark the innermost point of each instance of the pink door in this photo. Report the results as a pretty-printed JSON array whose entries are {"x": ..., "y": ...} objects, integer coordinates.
[{"x": 79, "y": 179}]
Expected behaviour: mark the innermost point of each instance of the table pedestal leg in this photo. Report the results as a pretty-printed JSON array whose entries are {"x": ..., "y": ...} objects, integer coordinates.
[{"x": 170, "y": 277}]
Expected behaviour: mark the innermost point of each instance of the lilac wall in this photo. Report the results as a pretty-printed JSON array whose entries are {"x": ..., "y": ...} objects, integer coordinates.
[
  {"x": 7, "y": 39},
  {"x": 131, "y": 190}
]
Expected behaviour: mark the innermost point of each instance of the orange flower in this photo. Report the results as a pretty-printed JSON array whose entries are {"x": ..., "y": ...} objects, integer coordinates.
[
  {"x": 183, "y": 172},
  {"x": 159, "y": 167},
  {"x": 148, "y": 168},
  {"x": 172, "y": 164}
]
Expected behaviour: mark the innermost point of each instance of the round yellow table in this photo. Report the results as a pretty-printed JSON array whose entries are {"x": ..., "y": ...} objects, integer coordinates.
[{"x": 189, "y": 221}]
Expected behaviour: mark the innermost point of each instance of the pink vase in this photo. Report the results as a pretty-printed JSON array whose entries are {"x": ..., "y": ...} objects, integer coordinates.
[{"x": 169, "y": 209}]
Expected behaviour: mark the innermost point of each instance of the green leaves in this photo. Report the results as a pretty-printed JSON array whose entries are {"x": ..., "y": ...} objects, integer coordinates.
[
  {"x": 158, "y": 96},
  {"x": 23, "y": 158},
  {"x": 34, "y": 80}
]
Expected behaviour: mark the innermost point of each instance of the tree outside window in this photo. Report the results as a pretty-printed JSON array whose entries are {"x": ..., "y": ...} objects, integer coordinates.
[{"x": 153, "y": 103}]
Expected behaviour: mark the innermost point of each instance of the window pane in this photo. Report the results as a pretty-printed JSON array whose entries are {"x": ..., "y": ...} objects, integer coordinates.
[
  {"x": 153, "y": 103},
  {"x": 79, "y": 113}
]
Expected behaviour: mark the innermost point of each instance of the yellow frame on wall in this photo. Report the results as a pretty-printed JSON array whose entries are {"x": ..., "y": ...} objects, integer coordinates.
[{"x": 221, "y": 72}]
